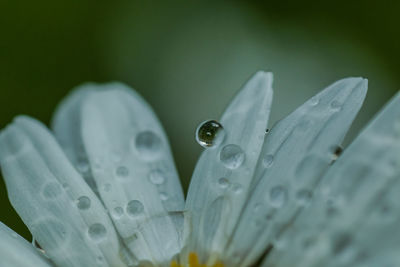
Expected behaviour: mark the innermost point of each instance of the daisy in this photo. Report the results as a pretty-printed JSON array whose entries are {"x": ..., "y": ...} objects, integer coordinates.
[{"x": 101, "y": 188}]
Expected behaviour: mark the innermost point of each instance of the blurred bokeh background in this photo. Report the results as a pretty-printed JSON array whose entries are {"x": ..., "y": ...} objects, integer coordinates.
[{"x": 188, "y": 59}]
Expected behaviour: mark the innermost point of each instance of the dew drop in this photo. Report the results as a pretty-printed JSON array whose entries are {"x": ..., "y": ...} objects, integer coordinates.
[
  {"x": 82, "y": 166},
  {"x": 210, "y": 134},
  {"x": 134, "y": 208},
  {"x": 314, "y": 101},
  {"x": 303, "y": 197},
  {"x": 83, "y": 203},
  {"x": 163, "y": 196},
  {"x": 232, "y": 156},
  {"x": 336, "y": 105},
  {"x": 156, "y": 177},
  {"x": 237, "y": 188},
  {"x": 268, "y": 160},
  {"x": 277, "y": 196},
  {"x": 107, "y": 187},
  {"x": 51, "y": 190},
  {"x": 337, "y": 152},
  {"x": 223, "y": 183},
  {"x": 122, "y": 172},
  {"x": 97, "y": 232},
  {"x": 117, "y": 212},
  {"x": 148, "y": 144}
]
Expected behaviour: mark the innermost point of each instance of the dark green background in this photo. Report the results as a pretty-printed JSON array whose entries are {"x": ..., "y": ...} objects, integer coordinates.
[{"x": 188, "y": 60}]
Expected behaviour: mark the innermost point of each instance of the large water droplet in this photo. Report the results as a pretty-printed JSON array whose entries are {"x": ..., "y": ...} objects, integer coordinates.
[
  {"x": 97, "y": 232},
  {"x": 336, "y": 105},
  {"x": 83, "y": 203},
  {"x": 232, "y": 156},
  {"x": 122, "y": 172},
  {"x": 157, "y": 177},
  {"x": 148, "y": 144},
  {"x": 134, "y": 208},
  {"x": 51, "y": 190},
  {"x": 277, "y": 196},
  {"x": 210, "y": 133}
]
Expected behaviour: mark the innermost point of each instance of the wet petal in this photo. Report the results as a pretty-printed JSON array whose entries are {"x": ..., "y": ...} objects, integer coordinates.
[
  {"x": 354, "y": 217},
  {"x": 134, "y": 171},
  {"x": 17, "y": 252},
  {"x": 61, "y": 211},
  {"x": 67, "y": 127},
  {"x": 296, "y": 152},
  {"x": 222, "y": 177}
]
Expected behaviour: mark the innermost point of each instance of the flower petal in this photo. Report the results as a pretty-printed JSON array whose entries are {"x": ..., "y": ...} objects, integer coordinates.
[
  {"x": 222, "y": 177},
  {"x": 67, "y": 128},
  {"x": 134, "y": 171},
  {"x": 61, "y": 211},
  {"x": 354, "y": 218},
  {"x": 296, "y": 152},
  {"x": 17, "y": 252}
]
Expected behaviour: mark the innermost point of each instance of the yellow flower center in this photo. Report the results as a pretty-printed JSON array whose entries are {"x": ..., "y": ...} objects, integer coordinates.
[{"x": 193, "y": 261}]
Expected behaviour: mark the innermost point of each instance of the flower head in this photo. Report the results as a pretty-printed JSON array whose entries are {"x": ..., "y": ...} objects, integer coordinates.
[{"x": 101, "y": 189}]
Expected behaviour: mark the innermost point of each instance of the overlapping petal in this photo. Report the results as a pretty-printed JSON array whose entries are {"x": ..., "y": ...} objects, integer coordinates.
[{"x": 60, "y": 210}]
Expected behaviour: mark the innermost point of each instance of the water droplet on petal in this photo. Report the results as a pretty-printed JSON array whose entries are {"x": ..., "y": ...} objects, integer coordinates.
[
  {"x": 117, "y": 212},
  {"x": 97, "y": 232},
  {"x": 303, "y": 197},
  {"x": 223, "y": 183},
  {"x": 148, "y": 144},
  {"x": 237, "y": 188},
  {"x": 210, "y": 134},
  {"x": 157, "y": 177},
  {"x": 336, "y": 105},
  {"x": 314, "y": 101},
  {"x": 107, "y": 187},
  {"x": 268, "y": 160},
  {"x": 122, "y": 171},
  {"x": 232, "y": 156},
  {"x": 277, "y": 196},
  {"x": 134, "y": 208},
  {"x": 51, "y": 190},
  {"x": 82, "y": 166},
  {"x": 83, "y": 203},
  {"x": 163, "y": 196}
]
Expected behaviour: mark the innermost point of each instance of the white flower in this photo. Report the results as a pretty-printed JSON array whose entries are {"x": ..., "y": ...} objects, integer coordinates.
[{"x": 102, "y": 189}]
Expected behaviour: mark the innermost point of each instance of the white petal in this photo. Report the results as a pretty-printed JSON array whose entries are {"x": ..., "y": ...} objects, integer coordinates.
[
  {"x": 296, "y": 152},
  {"x": 63, "y": 214},
  {"x": 17, "y": 252},
  {"x": 67, "y": 128},
  {"x": 134, "y": 171},
  {"x": 354, "y": 218},
  {"x": 222, "y": 177}
]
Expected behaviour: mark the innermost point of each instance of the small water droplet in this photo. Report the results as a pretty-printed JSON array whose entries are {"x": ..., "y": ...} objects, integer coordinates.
[
  {"x": 156, "y": 177},
  {"x": 134, "y": 208},
  {"x": 232, "y": 156},
  {"x": 210, "y": 134},
  {"x": 337, "y": 151},
  {"x": 314, "y": 101},
  {"x": 163, "y": 196},
  {"x": 122, "y": 172},
  {"x": 148, "y": 144},
  {"x": 82, "y": 166},
  {"x": 51, "y": 190},
  {"x": 268, "y": 160},
  {"x": 303, "y": 197},
  {"x": 223, "y": 183},
  {"x": 97, "y": 232},
  {"x": 336, "y": 105},
  {"x": 117, "y": 212},
  {"x": 107, "y": 187},
  {"x": 83, "y": 203},
  {"x": 277, "y": 196},
  {"x": 267, "y": 131},
  {"x": 237, "y": 188}
]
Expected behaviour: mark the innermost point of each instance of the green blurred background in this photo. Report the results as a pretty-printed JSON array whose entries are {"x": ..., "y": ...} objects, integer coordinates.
[{"x": 189, "y": 58}]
